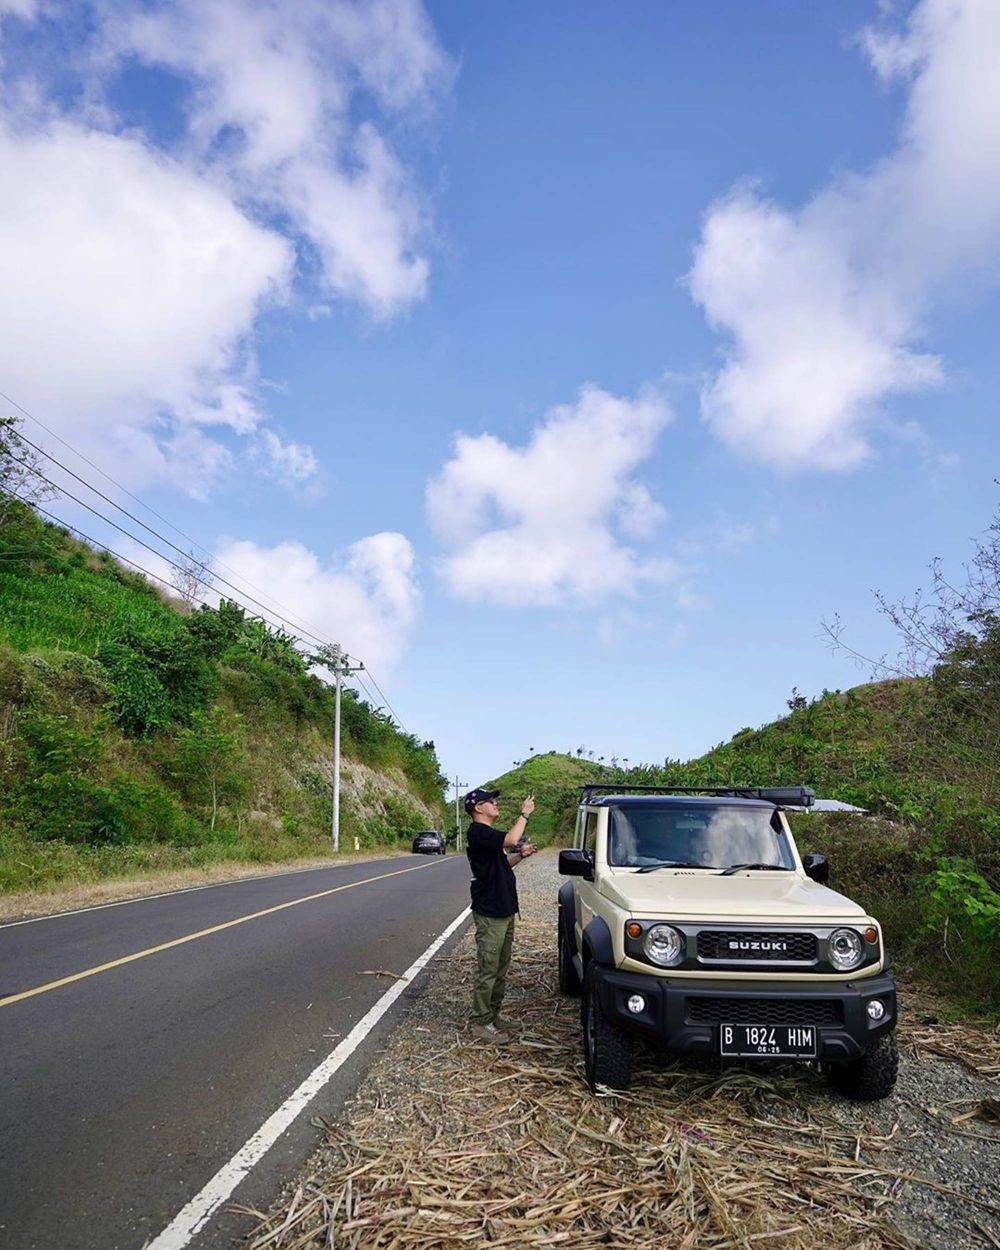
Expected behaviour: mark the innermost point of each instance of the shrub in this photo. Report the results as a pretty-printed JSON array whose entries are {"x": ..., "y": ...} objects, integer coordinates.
[{"x": 139, "y": 702}]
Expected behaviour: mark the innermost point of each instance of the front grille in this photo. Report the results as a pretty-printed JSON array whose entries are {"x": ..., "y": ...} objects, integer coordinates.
[
  {"x": 764, "y": 1011},
  {"x": 737, "y": 945}
]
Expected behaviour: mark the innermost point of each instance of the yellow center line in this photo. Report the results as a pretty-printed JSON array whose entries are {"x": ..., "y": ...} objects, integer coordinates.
[{"x": 192, "y": 937}]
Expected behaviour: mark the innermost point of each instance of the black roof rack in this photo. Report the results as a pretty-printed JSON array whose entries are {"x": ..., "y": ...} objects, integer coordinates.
[{"x": 780, "y": 796}]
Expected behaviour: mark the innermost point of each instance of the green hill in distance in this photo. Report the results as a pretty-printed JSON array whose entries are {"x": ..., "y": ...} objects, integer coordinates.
[{"x": 555, "y": 780}]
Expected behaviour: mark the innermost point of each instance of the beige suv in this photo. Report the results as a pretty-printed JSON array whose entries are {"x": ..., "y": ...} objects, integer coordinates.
[{"x": 691, "y": 922}]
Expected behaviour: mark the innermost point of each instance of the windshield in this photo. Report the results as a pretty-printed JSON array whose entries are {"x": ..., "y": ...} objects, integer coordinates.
[{"x": 705, "y": 836}]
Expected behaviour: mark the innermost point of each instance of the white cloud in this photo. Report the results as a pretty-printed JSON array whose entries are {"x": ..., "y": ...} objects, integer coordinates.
[
  {"x": 128, "y": 285},
  {"x": 825, "y": 307},
  {"x": 366, "y": 601},
  {"x": 291, "y": 462},
  {"x": 544, "y": 523},
  {"x": 134, "y": 268},
  {"x": 274, "y": 85}
]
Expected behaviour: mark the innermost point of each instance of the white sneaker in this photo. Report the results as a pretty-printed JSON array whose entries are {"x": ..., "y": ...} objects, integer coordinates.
[{"x": 489, "y": 1033}]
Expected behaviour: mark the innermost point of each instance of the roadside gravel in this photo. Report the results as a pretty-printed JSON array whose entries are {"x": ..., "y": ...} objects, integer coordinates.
[{"x": 449, "y": 1143}]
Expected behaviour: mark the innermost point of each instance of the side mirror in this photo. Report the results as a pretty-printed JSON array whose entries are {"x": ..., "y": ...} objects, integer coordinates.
[
  {"x": 576, "y": 863},
  {"x": 816, "y": 866}
]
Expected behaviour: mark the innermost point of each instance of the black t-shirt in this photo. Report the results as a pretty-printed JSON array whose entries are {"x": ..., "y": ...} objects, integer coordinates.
[{"x": 494, "y": 890}]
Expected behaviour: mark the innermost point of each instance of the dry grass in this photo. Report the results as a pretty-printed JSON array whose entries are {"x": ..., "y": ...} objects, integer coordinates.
[
  {"x": 93, "y": 894},
  {"x": 925, "y": 1026},
  {"x": 475, "y": 1145}
]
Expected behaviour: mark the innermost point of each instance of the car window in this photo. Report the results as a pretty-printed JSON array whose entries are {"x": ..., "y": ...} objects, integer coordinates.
[
  {"x": 711, "y": 836},
  {"x": 590, "y": 833}
]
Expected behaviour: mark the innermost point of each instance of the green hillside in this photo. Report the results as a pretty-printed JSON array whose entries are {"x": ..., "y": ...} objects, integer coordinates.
[
  {"x": 555, "y": 781},
  {"x": 135, "y": 734}
]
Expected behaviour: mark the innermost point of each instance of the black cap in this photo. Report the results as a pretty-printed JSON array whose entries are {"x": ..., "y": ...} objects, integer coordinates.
[{"x": 479, "y": 796}]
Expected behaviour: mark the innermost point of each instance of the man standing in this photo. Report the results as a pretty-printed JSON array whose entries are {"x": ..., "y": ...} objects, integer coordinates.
[{"x": 492, "y": 856}]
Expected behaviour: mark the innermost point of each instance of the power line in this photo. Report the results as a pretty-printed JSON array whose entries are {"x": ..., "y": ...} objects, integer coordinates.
[
  {"x": 284, "y": 620},
  {"x": 147, "y": 573},
  {"x": 141, "y": 503},
  {"x": 118, "y": 555},
  {"x": 174, "y": 565},
  {"x": 148, "y": 528},
  {"x": 385, "y": 700},
  {"x": 142, "y": 543}
]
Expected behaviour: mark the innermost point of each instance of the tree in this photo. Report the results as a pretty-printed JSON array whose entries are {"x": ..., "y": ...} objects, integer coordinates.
[
  {"x": 209, "y": 757},
  {"x": 20, "y": 469},
  {"x": 949, "y": 633},
  {"x": 190, "y": 578}
]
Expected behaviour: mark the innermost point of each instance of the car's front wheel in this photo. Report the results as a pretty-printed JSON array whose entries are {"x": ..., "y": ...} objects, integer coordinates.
[
  {"x": 607, "y": 1051},
  {"x": 871, "y": 1077}
]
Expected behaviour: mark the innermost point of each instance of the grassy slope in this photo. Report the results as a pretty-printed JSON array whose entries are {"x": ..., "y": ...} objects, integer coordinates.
[
  {"x": 81, "y": 800},
  {"x": 555, "y": 780}
]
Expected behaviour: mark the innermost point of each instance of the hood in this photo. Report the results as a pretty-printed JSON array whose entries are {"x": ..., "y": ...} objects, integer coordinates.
[{"x": 772, "y": 895}]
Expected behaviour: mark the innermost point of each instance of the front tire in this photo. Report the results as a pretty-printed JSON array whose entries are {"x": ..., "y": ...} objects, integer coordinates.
[
  {"x": 569, "y": 982},
  {"x": 871, "y": 1077},
  {"x": 607, "y": 1051}
]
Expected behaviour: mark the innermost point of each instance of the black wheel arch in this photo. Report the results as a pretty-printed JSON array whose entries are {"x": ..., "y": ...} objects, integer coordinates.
[
  {"x": 598, "y": 945},
  {"x": 567, "y": 915}
]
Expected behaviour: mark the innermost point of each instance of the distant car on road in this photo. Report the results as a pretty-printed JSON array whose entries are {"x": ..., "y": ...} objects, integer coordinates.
[{"x": 430, "y": 842}]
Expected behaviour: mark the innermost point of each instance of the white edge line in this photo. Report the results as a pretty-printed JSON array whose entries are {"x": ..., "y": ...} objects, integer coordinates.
[
  {"x": 192, "y": 1218},
  {"x": 186, "y": 889}
]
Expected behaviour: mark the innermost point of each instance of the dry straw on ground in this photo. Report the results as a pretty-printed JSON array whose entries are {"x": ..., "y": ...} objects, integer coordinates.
[{"x": 454, "y": 1144}]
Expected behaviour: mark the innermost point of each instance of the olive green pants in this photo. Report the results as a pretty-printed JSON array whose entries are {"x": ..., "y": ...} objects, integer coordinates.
[{"x": 494, "y": 939}]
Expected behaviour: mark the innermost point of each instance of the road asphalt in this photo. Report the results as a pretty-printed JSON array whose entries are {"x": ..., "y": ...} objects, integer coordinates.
[{"x": 126, "y": 1089}]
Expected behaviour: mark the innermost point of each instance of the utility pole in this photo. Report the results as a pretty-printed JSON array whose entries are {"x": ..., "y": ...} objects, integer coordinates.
[
  {"x": 459, "y": 785},
  {"x": 341, "y": 668}
]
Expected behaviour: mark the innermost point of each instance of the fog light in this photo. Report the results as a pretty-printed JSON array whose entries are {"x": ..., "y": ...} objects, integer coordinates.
[
  {"x": 876, "y": 1009},
  {"x": 637, "y": 1003}
]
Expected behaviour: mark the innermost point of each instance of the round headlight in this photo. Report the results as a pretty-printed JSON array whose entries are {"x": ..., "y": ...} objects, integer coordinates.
[
  {"x": 663, "y": 945},
  {"x": 846, "y": 949}
]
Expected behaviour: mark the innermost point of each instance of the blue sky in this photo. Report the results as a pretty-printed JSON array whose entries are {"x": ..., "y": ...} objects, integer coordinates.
[{"x": 568, "y": 363}]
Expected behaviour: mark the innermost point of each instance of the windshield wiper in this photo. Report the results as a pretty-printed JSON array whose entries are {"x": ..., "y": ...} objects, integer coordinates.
[
  {"x": 728, "y": 872},
  {"x": 675, "y": 863}
]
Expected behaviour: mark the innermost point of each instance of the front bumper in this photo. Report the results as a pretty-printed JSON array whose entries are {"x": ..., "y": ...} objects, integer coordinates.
[{"x": 680, "y": 1015}]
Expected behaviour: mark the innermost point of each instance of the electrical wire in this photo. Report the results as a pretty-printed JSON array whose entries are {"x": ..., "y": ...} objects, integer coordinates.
[
  {"x": 386, "y": 701},
  {"x": 126, "y": 560},
  {"x": 127, "y": 533},
  {"x": 142, "y": 504},
  {"x": 208, "y": 573},
  {"x": 283, "y": 621}
]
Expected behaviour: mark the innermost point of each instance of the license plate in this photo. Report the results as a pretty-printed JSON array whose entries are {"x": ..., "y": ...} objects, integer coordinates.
[{"x": 782, "y": 1041}]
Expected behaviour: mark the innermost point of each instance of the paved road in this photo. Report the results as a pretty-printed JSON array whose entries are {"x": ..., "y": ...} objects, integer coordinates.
[{"x": 123, "y": 1092}]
